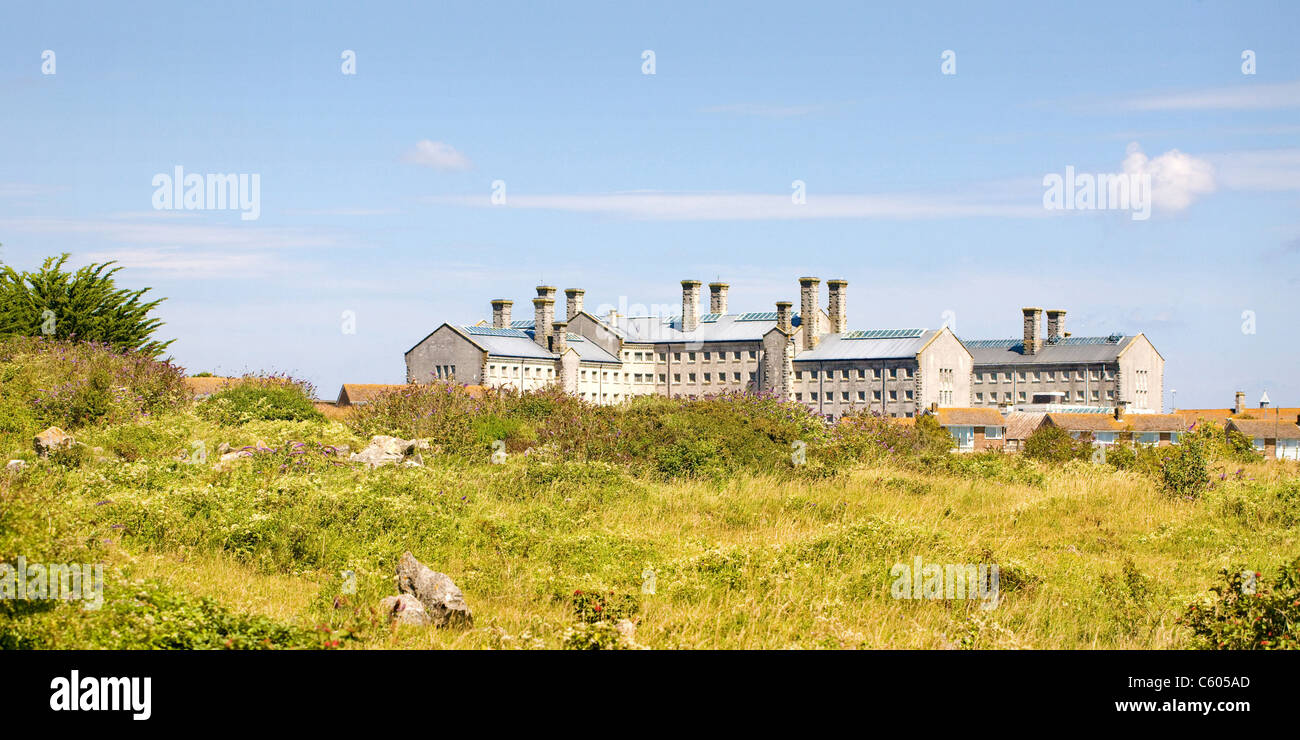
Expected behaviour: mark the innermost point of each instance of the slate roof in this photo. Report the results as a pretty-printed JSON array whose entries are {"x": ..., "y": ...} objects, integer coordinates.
[
  {"x": 840, "y": 347},
  {"x": 518, "y": 343},
  {"x": 746, "y": 327},
  {"x": 1070, "y": 350}
]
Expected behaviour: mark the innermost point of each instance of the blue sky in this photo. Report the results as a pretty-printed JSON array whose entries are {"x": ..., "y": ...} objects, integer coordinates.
[{"x": 924, "y": 190}]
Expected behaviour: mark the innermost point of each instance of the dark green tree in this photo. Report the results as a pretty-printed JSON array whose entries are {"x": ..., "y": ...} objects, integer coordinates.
[{"x": 85, "y": 305}]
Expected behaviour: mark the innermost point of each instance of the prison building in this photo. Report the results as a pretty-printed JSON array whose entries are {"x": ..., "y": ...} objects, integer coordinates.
[
  {"x": 1054, "y": 370},
  {"x": 810, "y": 357},
  {"x": 1273, "y": 435},
  {"x": 973, "y": 429}
]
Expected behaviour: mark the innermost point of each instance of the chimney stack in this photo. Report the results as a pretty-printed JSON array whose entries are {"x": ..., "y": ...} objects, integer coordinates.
[
  {"x": 718, "y": 298},
  {"x": 1119, "y": 410},
  {"x": 1239, "y": 404},
  {"x": 690, "y": 305},
  {"x": 1033, "y": 320},
  {"x": 543, "y": 317},
  {"x": 559, "y": 337},
  {"x": 574, "y": 296},
  {"x": 501, "y": 313},
  {"x": 784, "y": 322},
  {"x": 1055, "y": 325},
  {"x": 835, "y": 308},
  {"x": 808, "y": 311}
]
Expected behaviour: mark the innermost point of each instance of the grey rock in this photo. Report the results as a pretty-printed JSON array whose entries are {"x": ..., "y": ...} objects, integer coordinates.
[
  {"x": 384, "y": 450},
  {"x": 441, "y": 598},
  {"x": 52, "y": 439},
  {"x": 223, "y": 448},
  {"x": 404, "y": 609}
]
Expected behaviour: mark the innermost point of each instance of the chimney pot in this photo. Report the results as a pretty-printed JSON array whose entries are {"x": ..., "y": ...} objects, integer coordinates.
[
  {"x": 559, "y": 337},
  {"x": 574, "y": 307},
  {"x": 501, "y": 313},
  {"x": 543, "y": 317},
  {"x": 809, "y": 313},
  {"x": 835, "y": 308},
  {"x": 1033, "y": 319},
  {"x": 718, "y": 298},
  {"x": 1056, "y": 325},
  {"x": 784, "y": 321},
  {"x": 690, "y": 305}
]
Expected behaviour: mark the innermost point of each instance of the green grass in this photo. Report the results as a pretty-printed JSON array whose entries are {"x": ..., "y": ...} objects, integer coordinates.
[{"x": 1090, "y": 557}]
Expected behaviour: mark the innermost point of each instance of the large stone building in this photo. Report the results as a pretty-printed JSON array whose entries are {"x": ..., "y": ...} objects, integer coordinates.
[
  {"x": 810, "y": 357},
  {"x": 1057, "y": 369}
]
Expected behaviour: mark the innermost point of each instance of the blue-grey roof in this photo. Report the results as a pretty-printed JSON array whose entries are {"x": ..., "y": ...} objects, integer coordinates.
[
  {"x": 519, "y": 343},
  {"x": 1069, "y": 350},
  {"x": 886, "y": 344},
  {"x": 743, "y": 327}
]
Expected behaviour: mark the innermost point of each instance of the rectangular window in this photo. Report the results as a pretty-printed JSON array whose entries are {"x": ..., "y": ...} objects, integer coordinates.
[{"x": 992, "y": 432}]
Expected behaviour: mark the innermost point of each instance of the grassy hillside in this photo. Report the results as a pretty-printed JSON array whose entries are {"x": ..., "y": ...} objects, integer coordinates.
[{"x": 747, "y": 550}]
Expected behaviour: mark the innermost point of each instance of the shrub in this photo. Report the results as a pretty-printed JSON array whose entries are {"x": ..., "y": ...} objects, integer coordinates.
[
  {"x": 46, "y": 382},
  {"x": 1055, "y": 445},
  {"x": 1249, "y": 611},
  {"x": 1184, "y": 468},
  {"x": 871, "y": 437},
  {"x": 260, "y": 398},
  {"x": 593, "y": 606}
]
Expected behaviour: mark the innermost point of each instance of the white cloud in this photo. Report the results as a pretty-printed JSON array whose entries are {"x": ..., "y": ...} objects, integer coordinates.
[
  {"x": 1176, "y": 178},
  {"x": 438, "y": 155}
]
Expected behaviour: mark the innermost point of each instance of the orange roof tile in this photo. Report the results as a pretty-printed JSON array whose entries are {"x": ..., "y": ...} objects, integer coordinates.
[
  {"x": 1267, "y": 428},
  {"x": 970, "y": 417},
  {"x": 1084, "y": 422}
]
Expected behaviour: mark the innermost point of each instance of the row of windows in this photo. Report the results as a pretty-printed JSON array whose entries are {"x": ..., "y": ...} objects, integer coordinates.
[
  {"x": 515, "y": 371},
  {"x": 1022, "y": 396},
  {"x": 1047, "y": 376},
  {"x": 861, "y": 396},
  {"x": 892, "y": 373},
  {"x": 708, "y": 377},
  {"x": 662, "y": 357},
  {"x": 445, "y": 372}
]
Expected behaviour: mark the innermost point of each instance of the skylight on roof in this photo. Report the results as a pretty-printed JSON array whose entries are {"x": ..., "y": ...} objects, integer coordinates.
[{"x": 885, "y": 334}]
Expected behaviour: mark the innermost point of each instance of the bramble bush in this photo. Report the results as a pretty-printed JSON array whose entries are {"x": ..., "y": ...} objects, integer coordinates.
[
  {"x": 71, "y": 385},
  {"x": 1055, "y": 445},
  {"x": 1240, "y": 615},
  {"x": 1185, "y": 467}
]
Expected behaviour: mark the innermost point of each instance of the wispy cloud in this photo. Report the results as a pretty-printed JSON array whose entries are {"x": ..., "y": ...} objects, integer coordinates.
[
  {"x": 180, "y": 233},
  {"x": 437, "y": 155},
  {"x": 665, "y": 206},
  {"x": 1246, "y": 96},
  {"x": 1264, "y": 169}
]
